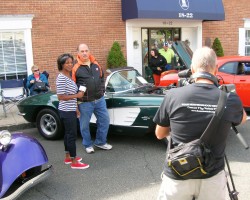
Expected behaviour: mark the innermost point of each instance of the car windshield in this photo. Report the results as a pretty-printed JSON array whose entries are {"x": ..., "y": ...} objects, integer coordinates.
[{"x": 125, "y": 81}]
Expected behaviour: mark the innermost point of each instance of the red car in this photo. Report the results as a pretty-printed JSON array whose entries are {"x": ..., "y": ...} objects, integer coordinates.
[
  {"x": 236, "y": 70},
  {"x": 231, "y": 70}
]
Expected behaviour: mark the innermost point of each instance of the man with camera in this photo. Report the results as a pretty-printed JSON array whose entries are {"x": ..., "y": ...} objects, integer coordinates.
[{"x": 187, "y": 111}]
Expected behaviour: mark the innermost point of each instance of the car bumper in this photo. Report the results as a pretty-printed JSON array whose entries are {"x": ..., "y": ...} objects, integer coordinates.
[{"x": 30, "y": 183}]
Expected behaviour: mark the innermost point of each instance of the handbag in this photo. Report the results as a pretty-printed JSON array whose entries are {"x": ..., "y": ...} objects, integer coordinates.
[
  {"x": 195, "y": 160},
  {"x": 39, "y": 86}
]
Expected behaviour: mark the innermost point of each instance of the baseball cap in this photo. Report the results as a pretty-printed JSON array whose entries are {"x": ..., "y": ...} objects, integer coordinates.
[{"x": 165, "y": 44}]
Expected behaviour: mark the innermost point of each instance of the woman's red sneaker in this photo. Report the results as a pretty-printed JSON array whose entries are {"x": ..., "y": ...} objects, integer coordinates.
[
  {"x": 68, "y": 160},
  {"x": 79, "y": 165}
]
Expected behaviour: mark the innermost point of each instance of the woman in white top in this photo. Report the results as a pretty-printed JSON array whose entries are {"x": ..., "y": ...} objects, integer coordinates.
[{"x": 67, "y": 93}]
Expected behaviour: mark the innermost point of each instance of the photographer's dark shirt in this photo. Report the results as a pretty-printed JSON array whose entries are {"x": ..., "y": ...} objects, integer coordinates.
[{"x": 188, "y": 110}]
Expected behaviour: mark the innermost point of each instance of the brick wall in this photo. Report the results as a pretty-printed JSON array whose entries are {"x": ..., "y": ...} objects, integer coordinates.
[
  {"x": 59, "y": 26},
  {"x": 228, "y": 31}
]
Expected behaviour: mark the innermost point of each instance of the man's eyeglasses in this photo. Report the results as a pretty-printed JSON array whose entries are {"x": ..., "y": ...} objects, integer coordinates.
[{"x": 36, "y": 70}]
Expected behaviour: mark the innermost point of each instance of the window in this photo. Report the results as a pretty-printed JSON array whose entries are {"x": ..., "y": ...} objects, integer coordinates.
[
  {"x": 13, "y": 63},
  {"x": 247, "y": 43},
  {"x": 246, "y": 68},
  {"x": 229, "y": 68},
  {"x": 16, "y": 56},
  {"x": 125, "y": 81}
]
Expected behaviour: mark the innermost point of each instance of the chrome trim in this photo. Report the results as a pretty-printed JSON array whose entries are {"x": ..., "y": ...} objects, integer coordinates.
[
  {"x": 138, "y": 126},
  {"x": 136, "y": 106},
  {"x": 21, "y": 114}
]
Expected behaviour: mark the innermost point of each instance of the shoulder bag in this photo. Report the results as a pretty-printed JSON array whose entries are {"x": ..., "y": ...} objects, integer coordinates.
[
  {"x": 39, "y": 86},
  {"x": 194, "y": 160}
]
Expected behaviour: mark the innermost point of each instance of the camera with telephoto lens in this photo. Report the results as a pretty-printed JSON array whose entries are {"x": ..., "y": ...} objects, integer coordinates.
[{"x": 186, "y": 78}]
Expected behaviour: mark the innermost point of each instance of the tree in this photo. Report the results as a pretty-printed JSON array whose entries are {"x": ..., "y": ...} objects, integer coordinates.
[
  {"x": 217, "y": 47},
  {"x": 115, "y": 57}
]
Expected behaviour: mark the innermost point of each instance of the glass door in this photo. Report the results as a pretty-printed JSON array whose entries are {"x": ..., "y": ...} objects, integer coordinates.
[{"x": 154, "y": 38}]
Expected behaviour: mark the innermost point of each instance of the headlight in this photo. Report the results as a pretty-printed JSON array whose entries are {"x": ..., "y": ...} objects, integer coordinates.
[{"x": 5, "y": 137}]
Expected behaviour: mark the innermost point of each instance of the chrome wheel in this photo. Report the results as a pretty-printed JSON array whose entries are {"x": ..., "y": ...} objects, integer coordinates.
[{"x": 49, "y": 124}]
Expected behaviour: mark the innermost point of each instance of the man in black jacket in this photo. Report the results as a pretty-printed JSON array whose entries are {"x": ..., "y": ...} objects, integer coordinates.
[
  {"x": 87, "y": 72},
  {"x": 188, "y": 110}
]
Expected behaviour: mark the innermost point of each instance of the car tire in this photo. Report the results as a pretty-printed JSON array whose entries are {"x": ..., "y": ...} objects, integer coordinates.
[{"x": 49, "y": 124}]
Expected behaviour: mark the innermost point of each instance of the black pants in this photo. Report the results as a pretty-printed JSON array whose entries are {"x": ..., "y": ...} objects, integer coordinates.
[{"x": 69, "y": 120}]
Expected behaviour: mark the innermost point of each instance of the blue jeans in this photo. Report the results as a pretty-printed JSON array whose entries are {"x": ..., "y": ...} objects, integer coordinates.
[
  {"x": 99, "y": 108},
  {"x": 168, "y": 67}
]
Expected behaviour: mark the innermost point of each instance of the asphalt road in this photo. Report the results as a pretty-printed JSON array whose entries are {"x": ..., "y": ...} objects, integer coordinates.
[{"x": 130, "y": 171}]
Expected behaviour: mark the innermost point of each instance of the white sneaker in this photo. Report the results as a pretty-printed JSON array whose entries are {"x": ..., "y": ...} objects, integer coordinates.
[
  {"x": 105, "y": 146},
  {"x": 90, "y": 150}
]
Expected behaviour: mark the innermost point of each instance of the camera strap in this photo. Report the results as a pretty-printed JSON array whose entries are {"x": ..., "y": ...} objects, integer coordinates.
[
  {"x": 214, "y": 122},
  {"x": 206, "y": 75}
]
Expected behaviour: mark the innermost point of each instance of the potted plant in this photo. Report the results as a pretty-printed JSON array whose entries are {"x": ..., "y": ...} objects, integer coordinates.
[
  {"x": 115, "y": 57},
  {"x": 217, "y": 47}
]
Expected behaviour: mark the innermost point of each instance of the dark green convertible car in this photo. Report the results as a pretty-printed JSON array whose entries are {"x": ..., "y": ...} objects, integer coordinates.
[{"x": 131, "y": 101}]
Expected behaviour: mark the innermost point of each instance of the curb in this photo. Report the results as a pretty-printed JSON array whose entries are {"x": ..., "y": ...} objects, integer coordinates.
[{"x": 17, "y": 127}]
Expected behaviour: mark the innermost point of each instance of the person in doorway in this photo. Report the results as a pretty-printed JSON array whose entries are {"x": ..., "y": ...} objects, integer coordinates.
[
  {"x": 36, "y": 76},
  {"x": 188, "y": 123},
  {"x": 157, "y": 64},
  {"x": 168, "y": 54},
  {"x": 88, "y": 72},
  {"x": 67, "y": 93}
]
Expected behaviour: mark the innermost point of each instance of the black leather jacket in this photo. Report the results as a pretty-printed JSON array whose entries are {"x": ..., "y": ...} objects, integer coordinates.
[{"x": 90, "y": 78}]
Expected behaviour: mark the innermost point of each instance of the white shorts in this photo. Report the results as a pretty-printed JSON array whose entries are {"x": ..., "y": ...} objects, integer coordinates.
[{"x": 202, "y": 189}]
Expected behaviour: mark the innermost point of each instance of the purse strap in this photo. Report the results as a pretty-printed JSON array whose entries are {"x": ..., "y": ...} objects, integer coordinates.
[{"x": 214, "y": 122}]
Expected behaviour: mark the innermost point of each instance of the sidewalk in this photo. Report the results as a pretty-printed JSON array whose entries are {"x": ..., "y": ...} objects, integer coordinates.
[{"x": 13, "y": 121}]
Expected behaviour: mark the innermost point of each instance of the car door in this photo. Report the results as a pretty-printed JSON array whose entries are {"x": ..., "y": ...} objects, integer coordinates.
[
  {"x": 227, "y": 74},
  {"x": 242, "y": 84}
]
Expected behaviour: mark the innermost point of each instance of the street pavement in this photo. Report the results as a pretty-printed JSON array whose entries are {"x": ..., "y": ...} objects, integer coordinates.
[
  {"x": 13, "y": 121},
  {"x": 130, "y": 171}
]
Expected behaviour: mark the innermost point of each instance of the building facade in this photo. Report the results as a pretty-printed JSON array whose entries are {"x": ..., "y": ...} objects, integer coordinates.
[{"x": 37, "y": 32}]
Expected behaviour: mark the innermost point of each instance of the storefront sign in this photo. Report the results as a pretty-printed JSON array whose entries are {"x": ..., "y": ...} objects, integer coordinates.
[
  {"x": 186, "y": 15},
  {"x": 185, "y": 6},
  {"x": 173, "y": 9}
]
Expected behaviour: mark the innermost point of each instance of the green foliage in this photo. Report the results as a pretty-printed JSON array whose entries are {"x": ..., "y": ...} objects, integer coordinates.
[
  {"x": 115, "y": 57},
  {"x": 217, "y": 47}
]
